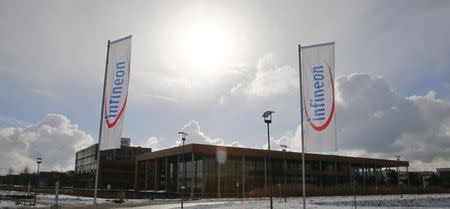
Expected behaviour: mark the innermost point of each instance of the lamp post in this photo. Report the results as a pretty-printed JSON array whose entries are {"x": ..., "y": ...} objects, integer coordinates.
[
  {"x": 398, "y": 175},
  {"x": 353, "y": 185},
  {"x": 283, "y": 147},
  {"x": 38, "y": 161},
  {"x": 183, "y": 138},
  {"x": 268, "y": 119}
]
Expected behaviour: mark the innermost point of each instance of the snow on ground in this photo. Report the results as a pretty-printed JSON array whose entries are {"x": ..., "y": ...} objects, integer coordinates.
[
  {"x": 49, "y": 199},
  {"x": 15, "y": 204},
  {"x": 5, "y": 192},
  {"x": 202, "y": 204},
  {"x": 76, "y": 200},
  {"x": 68, "y": 199},
  {"x": 408, "y": 201},
  {"x": 435, "y": 201},
  {"x": 8, "y": 204}
]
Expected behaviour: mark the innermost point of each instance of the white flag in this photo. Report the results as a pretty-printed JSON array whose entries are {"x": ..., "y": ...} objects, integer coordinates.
[
  {"x": 318, "y": 98},
  {"x": 116, "y": 93}
]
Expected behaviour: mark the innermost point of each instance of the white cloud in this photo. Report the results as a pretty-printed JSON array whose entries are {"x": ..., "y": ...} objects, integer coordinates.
[
  {"x": 275, "y": 144},
  {"x": 374, "y": 121},
  {"x": 267, "y": 79},
  {"x": 196, "y": 135},
  {"x": 6, "y": 122},
  {"x": 271, "y": 79},
  {"x": 55, "y": 139},
  {"x": 152, "y": 142}
]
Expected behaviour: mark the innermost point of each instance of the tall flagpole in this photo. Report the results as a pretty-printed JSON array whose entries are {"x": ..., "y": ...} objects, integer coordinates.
[
  {"x": 301, "y": 119},
  {"x": 101, "y": 125}
]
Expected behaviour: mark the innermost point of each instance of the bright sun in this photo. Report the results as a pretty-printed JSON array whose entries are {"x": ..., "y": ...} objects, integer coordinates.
[{"x": 205, "y": 45}]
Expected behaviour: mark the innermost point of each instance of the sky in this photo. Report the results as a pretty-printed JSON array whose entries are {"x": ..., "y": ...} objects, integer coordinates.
[{"x": 211, "y": 68}]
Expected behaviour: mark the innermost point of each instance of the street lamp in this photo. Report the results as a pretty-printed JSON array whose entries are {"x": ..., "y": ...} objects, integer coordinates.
[
  {"x": 268, "y": 119},
  {"x": 38, "y": 161},
  {"x": 283, "y": 147},
  {"x": 398, "y": 175},
  {"x": 183, "y": 138}
]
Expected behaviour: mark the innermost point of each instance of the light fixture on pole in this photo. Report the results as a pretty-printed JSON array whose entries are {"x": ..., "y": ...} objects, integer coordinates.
[
  {"x": 268, "y": 119},
  {"x": 183, "y": 138},
  {"x": 38, "y": 161},
  {"x": 283, "y": 147},
  {"x": 398, "y": 175}
]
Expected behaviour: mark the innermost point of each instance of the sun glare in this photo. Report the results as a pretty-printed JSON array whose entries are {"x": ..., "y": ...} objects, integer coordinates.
[
  {"x": 202, "y": 49},
  {"x": 205, "y": 45}
]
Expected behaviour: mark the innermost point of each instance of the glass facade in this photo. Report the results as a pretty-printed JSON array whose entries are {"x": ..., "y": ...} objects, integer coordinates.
[
  {"x": 205, "y": 174},
  {"x": 118, "y": 154},
  {"x": 242, "y": 174},
  {"x": 85, "y": 160}
]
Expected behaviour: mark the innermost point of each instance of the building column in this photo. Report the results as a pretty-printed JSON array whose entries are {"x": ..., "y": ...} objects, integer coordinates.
[
  {"x": 407, "y": 174},
  {"x": 166, "y": 181},
  {"x": 321, "y": 174},
  {"x": 243, "y": 176},
  {"x": 285, "y": 176},
  {"x": 136, "y": 171},
  {"x": 336, "y": 173},
  {"x": 204, "y": 177},
  {"x": 350, "y": 173},
  {"x": 218, "y": 179},
  {"x": 146, "y": 175},
  {"x": 192, "y": 174},
  {"x": 265, "y": 173},
  {"x": 195, "y": 174},
  {"x": 364, "y": 175},
  {"x": 374, "y": 172},
  {"x": 176, "y": 176},
  {"x": 376, "y": 177},
  {"x": 156, "y": 174}
]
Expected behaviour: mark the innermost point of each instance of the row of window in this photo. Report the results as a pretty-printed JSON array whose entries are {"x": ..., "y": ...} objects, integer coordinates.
[
  {"x": 86, "y": 161},
  {"x": 118, "y": 154},
  {"x": 234, "y": 167},
  {"x": 86, "y": 168},
  {"x": 86, "y": 153}
]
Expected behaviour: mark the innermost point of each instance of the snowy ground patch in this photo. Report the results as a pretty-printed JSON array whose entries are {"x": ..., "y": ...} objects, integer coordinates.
[
  {"x": 76, "y": 200},
  {"x": 389, "y": 201},
  {"x": 49, "y": 199},
  {"x": 435, "y": 201},
  {"x": 9, "y": 199},
  {"x": 7, "y": 204},
  {"x": 68, "y": 199}
]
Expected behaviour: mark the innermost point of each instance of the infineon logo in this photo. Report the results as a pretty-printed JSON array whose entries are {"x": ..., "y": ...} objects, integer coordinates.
[
  {"x": 115, "y": 104},
  {"x": 320, "y": 105}
]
